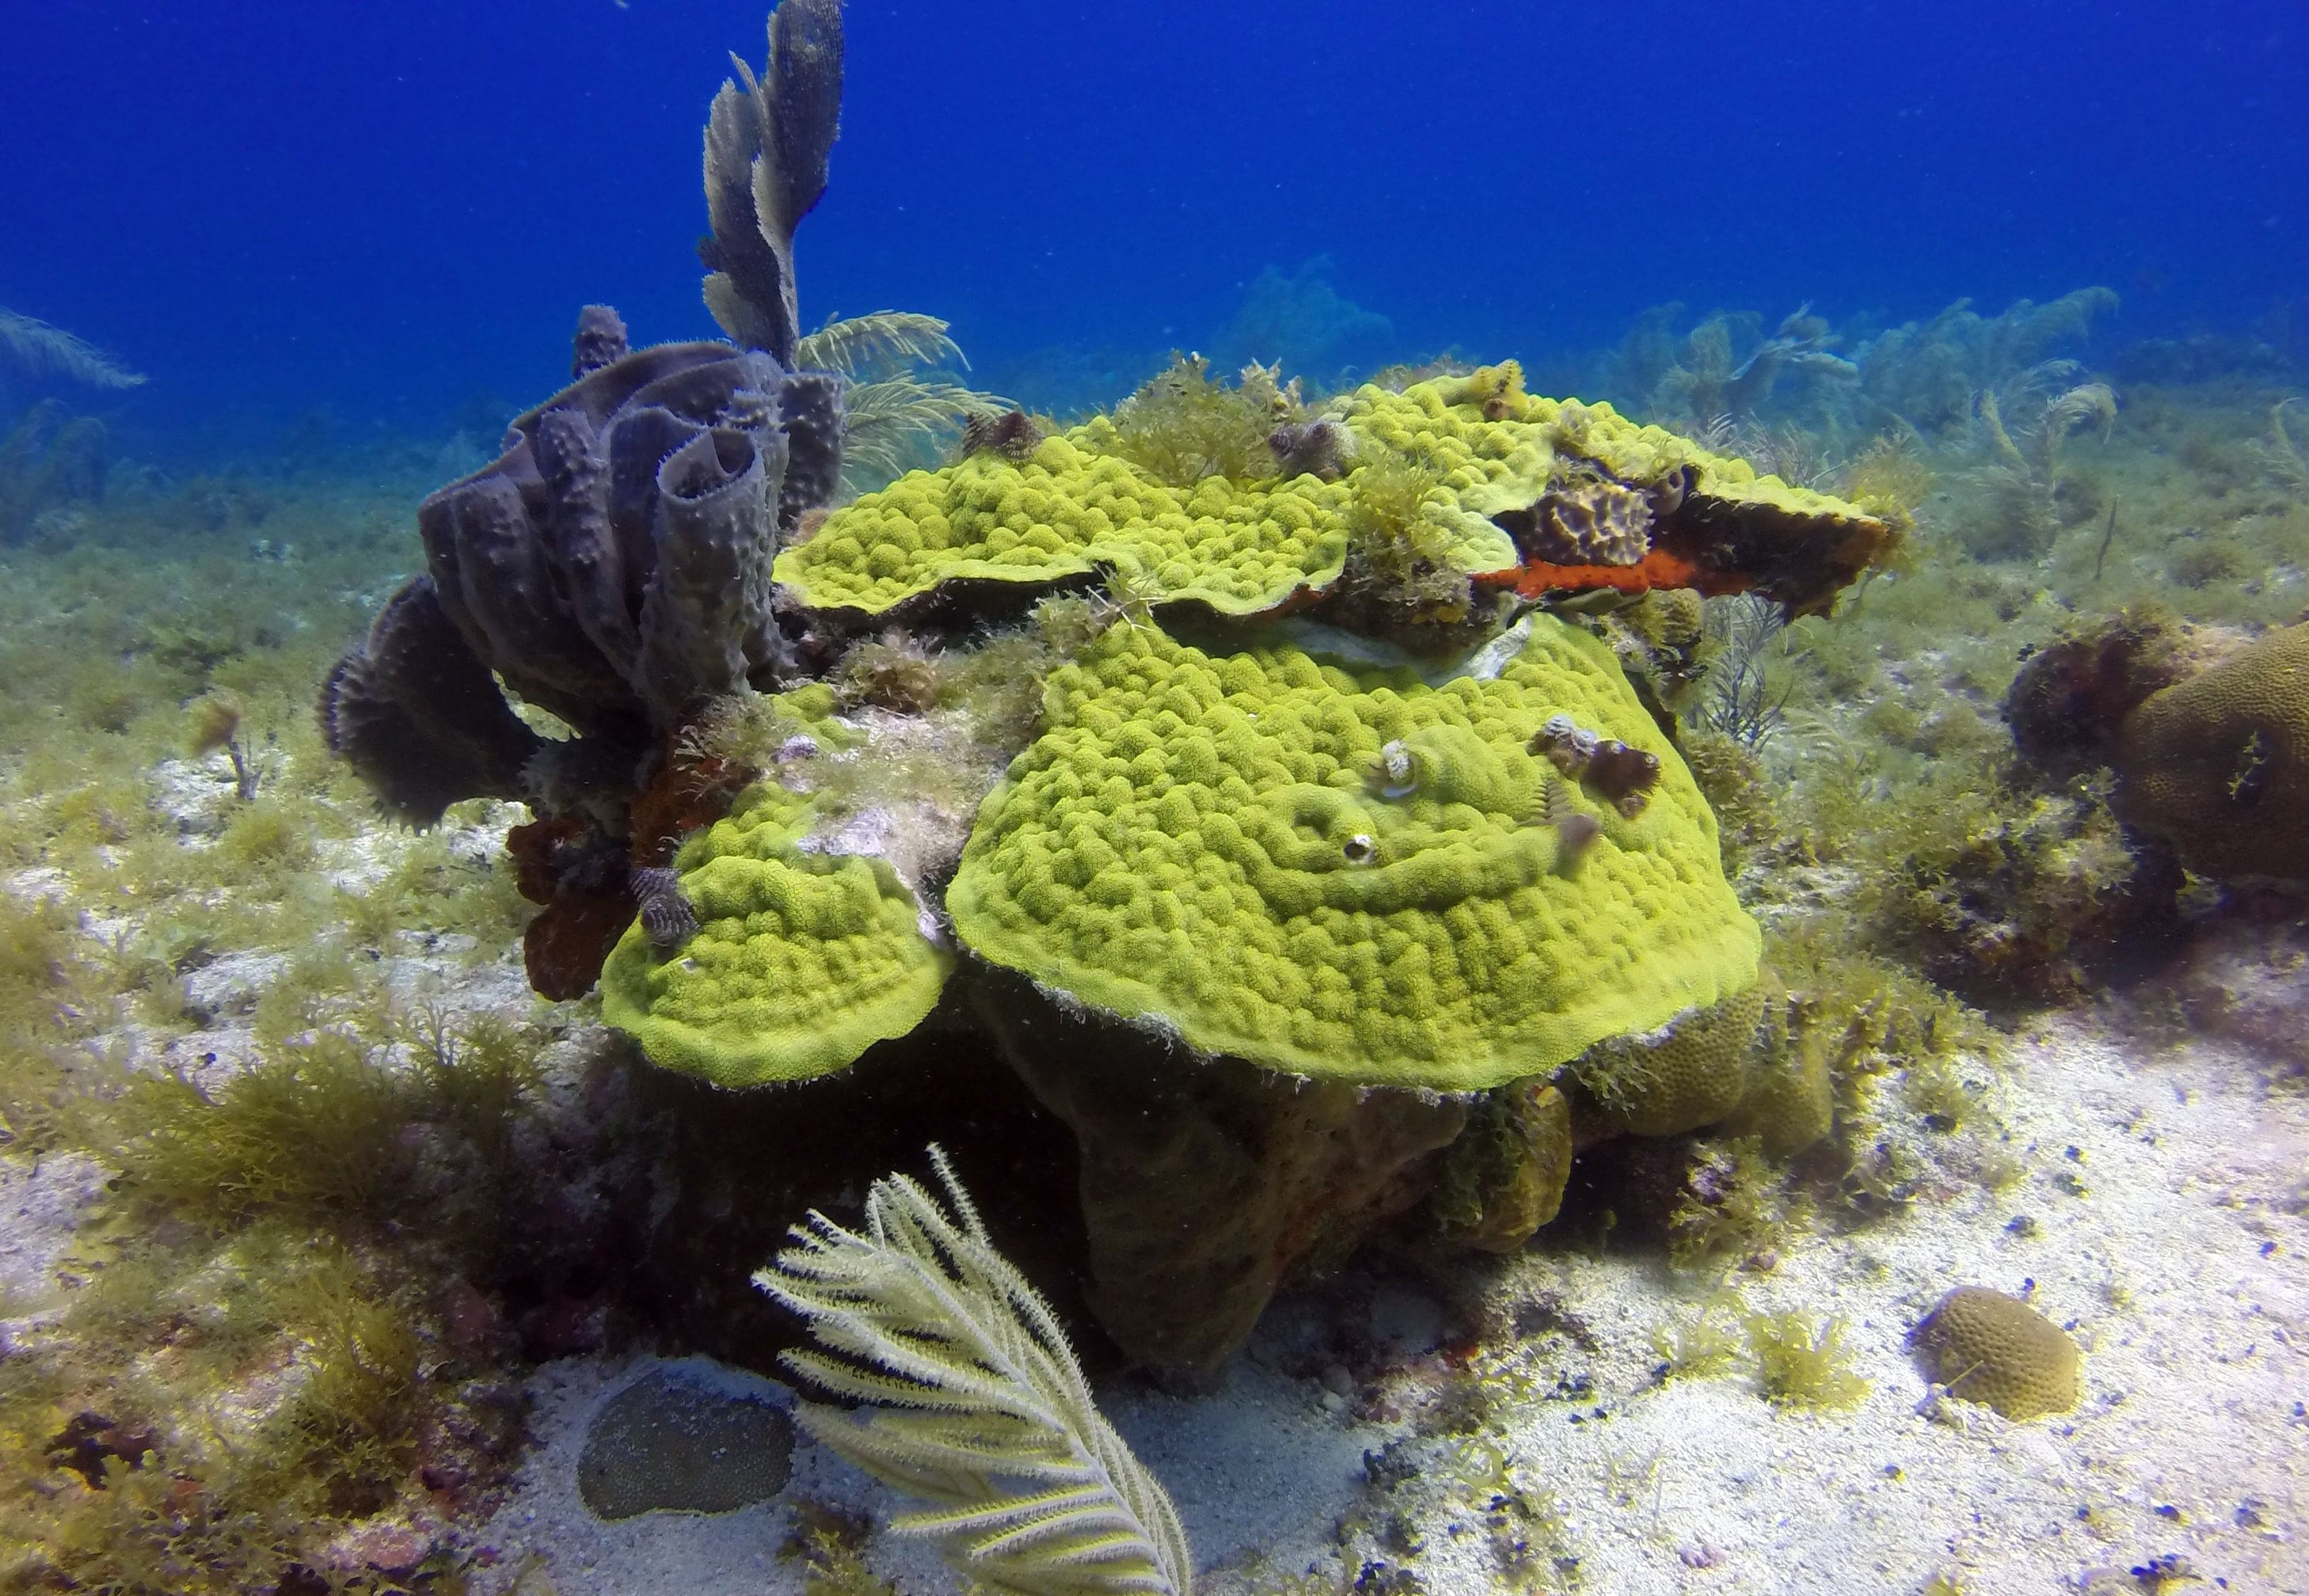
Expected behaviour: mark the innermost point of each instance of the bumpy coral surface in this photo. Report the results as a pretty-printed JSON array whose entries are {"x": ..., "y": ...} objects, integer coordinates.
[
  {"x": 1507, "y": 458},
  {"x": 801, "y": 960},
  {"x": 1063, "y": 512},
  {"x": 1509, "y": 467},
  {"x": 1218, "y": 845},
  {"x": 2218, "y": 764},
  {"x": 1694, "y": 1075},
  {"x": 1791, "y": 1101},
  {"x": 1986, "y": 1347}
]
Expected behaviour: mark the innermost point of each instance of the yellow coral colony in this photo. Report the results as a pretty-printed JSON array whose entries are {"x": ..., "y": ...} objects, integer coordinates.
[
  {"x": 801, "y": 960},
  {"x": 1246, "y": 547},
  {"x": 1205, "y": 844},
  {"x": 1066, "y": 510}
]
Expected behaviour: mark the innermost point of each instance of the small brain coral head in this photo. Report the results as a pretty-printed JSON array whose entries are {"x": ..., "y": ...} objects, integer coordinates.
[
  {"x": 1985, "y": 1347},
  {"x": 2219, "y": 763}
]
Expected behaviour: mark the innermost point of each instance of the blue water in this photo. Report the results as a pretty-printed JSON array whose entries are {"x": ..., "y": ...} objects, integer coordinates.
[{"x": 389, "y": 213}]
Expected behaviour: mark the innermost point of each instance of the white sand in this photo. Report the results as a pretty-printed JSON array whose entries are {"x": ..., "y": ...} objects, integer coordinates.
[{"x": 2173, "y": 1243}]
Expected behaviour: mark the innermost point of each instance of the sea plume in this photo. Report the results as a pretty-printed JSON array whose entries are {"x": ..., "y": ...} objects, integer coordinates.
[
  {"x": 972, "y": 1399},
  {"x": 39, "y": 349},
  {"x": 899, "y": 416},
  {"x": 878, "y": 345}
]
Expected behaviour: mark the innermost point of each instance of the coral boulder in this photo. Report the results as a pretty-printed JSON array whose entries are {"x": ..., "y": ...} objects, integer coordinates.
[{"x": 2218, "y": 764}]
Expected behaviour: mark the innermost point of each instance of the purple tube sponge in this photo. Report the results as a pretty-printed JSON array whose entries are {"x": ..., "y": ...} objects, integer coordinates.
[
  {"x": 611, "y": 566},
  {"x": 415, "y": 712}
]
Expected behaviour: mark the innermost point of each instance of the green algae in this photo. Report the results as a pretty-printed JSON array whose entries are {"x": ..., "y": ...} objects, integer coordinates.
[{"x": 1803, "y": 1362}]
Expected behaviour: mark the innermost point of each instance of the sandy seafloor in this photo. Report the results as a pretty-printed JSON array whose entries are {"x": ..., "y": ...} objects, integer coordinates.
[
  {"x": 2167, "y": 1184},
  {"x": 2167, "y": 1189}
]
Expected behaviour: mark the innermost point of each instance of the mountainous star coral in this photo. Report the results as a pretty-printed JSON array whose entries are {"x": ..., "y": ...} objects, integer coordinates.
[
  {"x": 793, "y": 962},
  {"x": 1194, "y": 843}
]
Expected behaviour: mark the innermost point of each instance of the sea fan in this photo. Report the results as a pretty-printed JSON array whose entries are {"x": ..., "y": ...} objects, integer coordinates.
[
  {"x": 899, "y": 422},
  {"x": 2283, "y": 456},
  {"x": 33, "y": 346},
  {"x": 973, "y": 1400}
]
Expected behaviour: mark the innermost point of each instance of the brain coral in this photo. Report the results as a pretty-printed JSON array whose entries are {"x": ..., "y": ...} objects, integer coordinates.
[
  {"x": 1791, "y": 1103},
  {"x": 801, "y": 962},
  {"x": 1986, "y": 1347},
  {"x": 1695, "y": 1075},
  {"x": 1500, "y": 457},
  {"x": 2219, "y": 764},
  {"x": 1208, "y": 843}
]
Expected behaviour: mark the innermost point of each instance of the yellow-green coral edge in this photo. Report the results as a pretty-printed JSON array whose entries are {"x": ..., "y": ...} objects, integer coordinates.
[
  {"x": 634, "y": 977},
  {"x": 1697, "y": 967}
]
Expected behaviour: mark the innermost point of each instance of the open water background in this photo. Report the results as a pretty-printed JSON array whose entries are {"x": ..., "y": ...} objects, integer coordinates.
[{"x": 386, "y": 215}]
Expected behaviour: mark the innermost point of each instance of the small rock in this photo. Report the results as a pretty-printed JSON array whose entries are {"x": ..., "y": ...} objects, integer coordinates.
[{"x": 681, "y": 1439}]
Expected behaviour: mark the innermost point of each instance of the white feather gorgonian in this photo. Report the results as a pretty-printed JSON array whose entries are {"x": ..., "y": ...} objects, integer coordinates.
[{"x": 972, "y": 1398}]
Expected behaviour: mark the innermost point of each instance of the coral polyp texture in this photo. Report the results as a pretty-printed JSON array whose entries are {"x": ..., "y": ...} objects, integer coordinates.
[
  {"x": 1695, "y": 1075},
  {"x": 2219, "y": 763},
  {"x": 800, "y": 962},
  {"x": 1215, "y": 846},
  {"x": 1065, "y": 511},
  {"x": 1986, "y": 1347},
  {"x": 1543, "y": 494},
  {"x": 1585, "y": 498}
]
